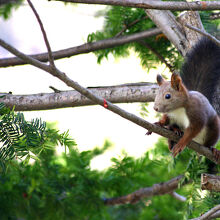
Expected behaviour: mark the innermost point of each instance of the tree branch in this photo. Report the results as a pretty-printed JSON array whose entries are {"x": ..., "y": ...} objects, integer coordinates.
[
  {"x": 214, "y": 216},
  {"x": 208, "y": 215},
  {"x": 151, "y": 4},
  {"x": 155, "y": 190},
  {"x": 84, "y": 48},
  {"x": 210, "y": 182},
  {"x": 108, "y": 105},
  {"x": 127, "y": 93},
  {"x": 126, "y": 26},
  {"x": 204, "y": 33},
  {"x": 50, "y": 56},
  {"x": 159, "y": 56},
  {"x": 178, "y": 197},
  {"x": 166, "y": 21},
  {"x": 214, "y": 16}
]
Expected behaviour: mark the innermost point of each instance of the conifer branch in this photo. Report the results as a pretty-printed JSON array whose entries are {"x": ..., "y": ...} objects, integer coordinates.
[
  {"x": 84, "y": 48},
  {"x": 106, "y": 104},
  {"x": 159, "y": 56},
  {"x": 155, "y": 190},
  {"x": 152, "y": 4}
]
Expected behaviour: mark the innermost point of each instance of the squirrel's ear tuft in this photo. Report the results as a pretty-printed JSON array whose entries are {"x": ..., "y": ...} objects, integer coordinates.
[
  {"x": 160, "y": 79},
  {"x": 176, "y": 82}
]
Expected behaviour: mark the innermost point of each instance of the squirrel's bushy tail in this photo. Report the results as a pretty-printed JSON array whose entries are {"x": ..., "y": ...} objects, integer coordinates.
[{"x": 201, "y": 71}]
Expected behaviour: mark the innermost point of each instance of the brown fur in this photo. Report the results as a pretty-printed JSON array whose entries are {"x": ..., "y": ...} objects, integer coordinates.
[{"x": 190, "y": 110}]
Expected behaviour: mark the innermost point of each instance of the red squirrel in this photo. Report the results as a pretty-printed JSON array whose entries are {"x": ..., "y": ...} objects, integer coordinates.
[{"x": 190, "y": 111}]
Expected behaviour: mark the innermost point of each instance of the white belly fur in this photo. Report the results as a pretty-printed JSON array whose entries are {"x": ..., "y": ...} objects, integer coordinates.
[{"x": 180, "y": 117}]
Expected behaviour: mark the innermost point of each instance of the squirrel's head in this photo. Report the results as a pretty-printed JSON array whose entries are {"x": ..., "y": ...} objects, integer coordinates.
[{"x": 171, "y": 95}]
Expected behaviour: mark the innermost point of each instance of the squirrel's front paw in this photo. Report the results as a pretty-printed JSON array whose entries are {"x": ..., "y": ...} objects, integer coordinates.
[
  {"x": 177, "y": 149},
  {"x": 156, "y": 123}
]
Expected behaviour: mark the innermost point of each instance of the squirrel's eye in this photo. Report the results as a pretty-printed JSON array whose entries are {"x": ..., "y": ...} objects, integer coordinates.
[{"x": 167, "y": 96}]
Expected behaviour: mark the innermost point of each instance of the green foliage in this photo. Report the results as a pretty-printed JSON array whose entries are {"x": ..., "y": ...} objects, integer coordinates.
[
  {"x": 19, "y": 137},
  {"x": 25, "y": 140},
  {"x": 6, "y": 10},
  {"x": 143, "y": 109},
  {"x": 211, "y": 26},
  {"x": 122, "y": 21},
  {"x": 200, "y": 201},
  {"x": 66, "y": 187},
  {"x": 133, "y": 21}
]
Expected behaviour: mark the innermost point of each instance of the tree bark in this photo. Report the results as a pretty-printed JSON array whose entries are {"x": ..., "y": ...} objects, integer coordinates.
[
  {"x": 211, "y": 214},
  {"x": 156, "y": 189},
  {"x": 210, "y": 182},
  {"x": 151, "y": 4},
  {"x": 127, "y": 93},
  {"x": 166, "y": 21}
]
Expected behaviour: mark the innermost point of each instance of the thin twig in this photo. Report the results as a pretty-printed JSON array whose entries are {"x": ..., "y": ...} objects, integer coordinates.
[
  {"x": 214, "y": 16},
  {"x": 130, "y": 25},
  {"x": 50, "y": 56},
  {"x": 160, "y": 57},
  {"x": 204, "y": 33},
  {"x": 108, "y": 105}
]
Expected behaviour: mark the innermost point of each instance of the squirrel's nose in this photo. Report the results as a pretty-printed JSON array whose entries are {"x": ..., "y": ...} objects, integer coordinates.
[{"x": 156, "y": 109}]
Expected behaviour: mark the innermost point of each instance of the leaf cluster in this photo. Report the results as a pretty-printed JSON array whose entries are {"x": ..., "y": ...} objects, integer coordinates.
[
  {"x": 66, "y": 187},
  {"x": 18, "y": 137},
  {"x": 25, "y": 140},
  {"x": 6, "y": 9},
  {"x": 122, "y": 21},
  {"x": 200, "y": 201}
]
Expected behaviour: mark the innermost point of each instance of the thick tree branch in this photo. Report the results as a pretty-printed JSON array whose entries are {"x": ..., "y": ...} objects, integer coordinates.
[
  {"x": 155, "y": 190},
  {"x": 84, "y": 48},
  {"x": 127, "y": 93},
  {"x": 192, "y": 18},
  {"x": 214, "y": 216},
  {"x": 151, "y": 4},
  {"x": 108, "y": 105},
  {"x": 166, "y": 21}
]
